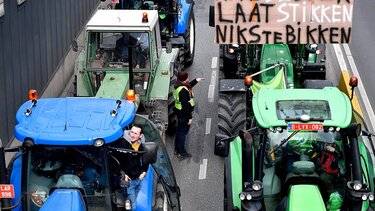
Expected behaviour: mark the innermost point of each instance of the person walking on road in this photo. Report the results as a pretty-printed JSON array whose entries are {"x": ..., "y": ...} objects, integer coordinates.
[{"x": 184, "y": 106}]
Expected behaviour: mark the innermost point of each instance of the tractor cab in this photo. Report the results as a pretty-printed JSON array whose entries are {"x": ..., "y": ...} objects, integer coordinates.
[
  {"x": 304, "y": 144},
  {"x": 121, "y": 52},
  {"x": 124, "y": 59},
  {"x": 68, "y": 161}
]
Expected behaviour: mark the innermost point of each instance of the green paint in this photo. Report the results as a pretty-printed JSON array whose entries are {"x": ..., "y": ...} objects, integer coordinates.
[
  {"x": 114, "y": 85},
  {"x": 305, "y": 198},
  {"x": 264, "y": 105},
  {"x": 278, "y": 82},
  {"x": 235, "y": 155},
  {"x": 161, "y": 83},
  {"x": 273, "y": 54}
]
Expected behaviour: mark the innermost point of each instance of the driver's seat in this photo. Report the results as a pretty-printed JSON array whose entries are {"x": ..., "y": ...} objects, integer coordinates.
[{"x": 303, "y": 172}]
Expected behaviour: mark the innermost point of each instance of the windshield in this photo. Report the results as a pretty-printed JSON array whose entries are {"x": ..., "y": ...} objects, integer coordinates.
[
  {"x": 81, "y": 168},
  {"x": 294, "y": 109},
  {"x": 111, "y": 50}
]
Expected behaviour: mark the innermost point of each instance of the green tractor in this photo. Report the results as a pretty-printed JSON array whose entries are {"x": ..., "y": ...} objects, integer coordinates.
[
  {"x": 275, "y": 65},
  {"x": 103, "y": 68},
  {"x": 303, "y": 154}
]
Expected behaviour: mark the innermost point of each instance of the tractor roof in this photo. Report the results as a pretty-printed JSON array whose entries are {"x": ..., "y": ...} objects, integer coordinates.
[
  {"x": 72, "y": 121},
  {"x": 122, "y": 20},
  {"x": 278, "y": 107}
]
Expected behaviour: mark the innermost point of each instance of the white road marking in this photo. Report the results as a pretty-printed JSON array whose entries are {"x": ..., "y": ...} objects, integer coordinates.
[
  {"x": 214, "y": 62},
  {"x": 361, "y": 88},
  {"x": 211, "y": 87},
  {"x": 213, "y": 77},
  {"x": 203, "y": 169},
  {"x": 211, "y": 92},
  {"x": 208, "y": 126},
  {"x": 340, "y": 57}
]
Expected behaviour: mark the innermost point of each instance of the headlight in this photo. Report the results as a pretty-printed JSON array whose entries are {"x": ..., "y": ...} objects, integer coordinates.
[
  {"x": 364, "y": 197},
  {"x": 357, "y": 185},
  {"x": 331, "y": 129},
  {"x": 230, "y": 50},
  {"x": 242, "y": 196},
  {"x": 248, "y": 196},
  {"x": 371, "y": 197},
  {"x": 257, "y": 185},
  {"x": 98, "y": 142}
]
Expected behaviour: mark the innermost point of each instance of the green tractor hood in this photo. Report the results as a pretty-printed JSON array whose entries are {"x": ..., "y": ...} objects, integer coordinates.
[
  {"x": 337, "y": 111},
  {"x": 305, "y": 197}
]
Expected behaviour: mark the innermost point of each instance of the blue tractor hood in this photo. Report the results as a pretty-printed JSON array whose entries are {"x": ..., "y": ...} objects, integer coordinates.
[
  {"x": 73, "y": 121},
  {"x": 64, "y": 200}
]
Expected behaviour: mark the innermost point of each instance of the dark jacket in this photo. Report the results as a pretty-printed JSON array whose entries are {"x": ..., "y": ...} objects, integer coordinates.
[
  {"x": 184, "y": 97},
  {"x": 131, "y": 163}
]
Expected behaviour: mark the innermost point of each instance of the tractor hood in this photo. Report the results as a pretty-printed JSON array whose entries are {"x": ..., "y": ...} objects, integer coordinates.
[
  {"x": 278, "y": 107},
  {"x": 73, "y": 121},
  {"x": 305, "y": 197},
  {"x": 65, "y": 200}
]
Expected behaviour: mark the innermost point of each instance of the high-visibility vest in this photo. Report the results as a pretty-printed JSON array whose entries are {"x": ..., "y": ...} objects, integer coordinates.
[{"x": 176, "y": 93}]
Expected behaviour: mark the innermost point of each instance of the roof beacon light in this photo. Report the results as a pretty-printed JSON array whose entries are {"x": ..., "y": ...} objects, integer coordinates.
[
  {"x": 248, "y": 81},
  {"x": 144, "y": 17},
  {"x": 33, "y": 94},
  {"x": 130, "y": 95}
]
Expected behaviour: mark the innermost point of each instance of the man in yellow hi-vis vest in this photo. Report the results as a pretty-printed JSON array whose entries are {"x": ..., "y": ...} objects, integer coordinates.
[{"x": 184, "y": 106}]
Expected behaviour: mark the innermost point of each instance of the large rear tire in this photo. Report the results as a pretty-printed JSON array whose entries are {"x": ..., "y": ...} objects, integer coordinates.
[
  {"x": 189, "y": 47},
  {"x": 232, "y": 112}
]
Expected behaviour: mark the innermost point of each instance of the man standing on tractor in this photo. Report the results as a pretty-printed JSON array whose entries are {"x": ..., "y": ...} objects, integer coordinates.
[
  {"x": 184, "y": 106},
  {"x": 133, "y": 169}
]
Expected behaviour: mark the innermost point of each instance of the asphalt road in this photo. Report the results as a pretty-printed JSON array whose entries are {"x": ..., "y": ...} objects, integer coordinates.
[{"x": 201, "y": 177}]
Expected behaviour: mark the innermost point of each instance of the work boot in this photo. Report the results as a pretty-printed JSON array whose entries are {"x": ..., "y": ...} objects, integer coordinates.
[{"x": 185, "y": 154}]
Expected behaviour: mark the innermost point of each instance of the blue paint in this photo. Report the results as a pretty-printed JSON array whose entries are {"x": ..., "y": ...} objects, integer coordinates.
[
  {"x": 181, "y": 23},
  {"x": 15, "y": 179},
  {"x": 64, "y": 200},
  {"x": 144, "y": 199},
  {"x": 73, "y": 121}
]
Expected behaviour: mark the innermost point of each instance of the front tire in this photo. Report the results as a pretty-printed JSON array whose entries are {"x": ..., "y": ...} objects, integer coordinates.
[{"x": 232, "y": 113}]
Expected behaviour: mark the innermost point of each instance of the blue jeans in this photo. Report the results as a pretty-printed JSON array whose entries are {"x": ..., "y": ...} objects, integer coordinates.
[
  {"x": 132, "y": 191},
  {"x": 182, "y": 131}
]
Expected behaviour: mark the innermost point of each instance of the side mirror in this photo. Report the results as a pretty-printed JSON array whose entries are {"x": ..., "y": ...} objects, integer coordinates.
[
  {"x": 354, "y": 130},
  {"x": 211, "y": 20},
  {"x": 150, "y": 156},
  {"x": 221, "y": 145},
  {"x": 75, "y": 46},
  {"x": 168, "y": 45}
]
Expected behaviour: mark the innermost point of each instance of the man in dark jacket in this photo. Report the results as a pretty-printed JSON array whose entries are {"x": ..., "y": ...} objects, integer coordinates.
[
  {"x": 184, "y": 106},
  {"x": 133, "y": 170}
]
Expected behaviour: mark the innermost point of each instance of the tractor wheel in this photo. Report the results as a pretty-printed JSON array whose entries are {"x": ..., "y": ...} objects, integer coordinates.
[
  {"x": 172, "y": 119},
  {"x": 189, "y": 47},
  {"x": 232, "y": 113}
]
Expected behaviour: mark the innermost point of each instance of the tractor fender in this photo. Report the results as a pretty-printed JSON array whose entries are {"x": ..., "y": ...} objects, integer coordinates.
[
  {"x": 181, "y": 23},
  {"x": 15, "y": 179}
]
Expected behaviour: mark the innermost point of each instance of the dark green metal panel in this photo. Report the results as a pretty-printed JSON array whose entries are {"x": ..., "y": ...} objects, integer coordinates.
[{"x": 273, "y": 54}]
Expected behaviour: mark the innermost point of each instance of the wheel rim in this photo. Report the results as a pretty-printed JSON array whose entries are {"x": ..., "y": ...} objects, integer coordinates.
[{"x": 192, "y": 36}]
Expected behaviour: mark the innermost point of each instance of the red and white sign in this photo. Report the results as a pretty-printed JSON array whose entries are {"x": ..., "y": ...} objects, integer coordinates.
[
  {"x": 308, "y": 127},
  {"x": 7, "y": 191}
]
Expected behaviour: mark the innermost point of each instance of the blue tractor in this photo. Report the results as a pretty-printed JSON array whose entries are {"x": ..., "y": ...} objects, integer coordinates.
[
  {"x": 177, "y": 22},
  {"x": 67, "y": 160}
]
